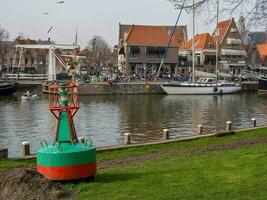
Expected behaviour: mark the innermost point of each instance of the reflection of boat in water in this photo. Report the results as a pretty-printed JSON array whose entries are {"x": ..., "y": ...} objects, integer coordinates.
[
  {"x": 29, "y": 97},
  {"x": 203, "y": 86},
  {"x": 262, "y": 85},
  {"x": 8, "y": 88}
]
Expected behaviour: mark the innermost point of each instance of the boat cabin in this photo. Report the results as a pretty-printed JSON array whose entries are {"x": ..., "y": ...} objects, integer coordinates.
[{"x": 206, "y": 80}]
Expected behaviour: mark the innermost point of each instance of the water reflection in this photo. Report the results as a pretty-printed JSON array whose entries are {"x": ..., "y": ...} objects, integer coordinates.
[{"x": 106, "y": 118}]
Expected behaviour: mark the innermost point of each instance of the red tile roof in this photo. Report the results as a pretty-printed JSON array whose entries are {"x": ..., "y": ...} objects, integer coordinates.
[
  {"x": 153, "y": 36},
  {"x": 223, "y": 27},
  {"x": 202, "y": 41},
  {"x": 262, "y": 48}
]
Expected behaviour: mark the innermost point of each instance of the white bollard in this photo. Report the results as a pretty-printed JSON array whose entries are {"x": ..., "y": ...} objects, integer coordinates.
[
  {"x": 166, "y": 134},
  {"x": 253, "y": 122},
  {"x": 200, "y": 130},
  {"x": 25, "y": 148},
  {"x": 228, "y": 126},
  {"x": 81, "y": 139},
  {"x": 127, "y": 138}
]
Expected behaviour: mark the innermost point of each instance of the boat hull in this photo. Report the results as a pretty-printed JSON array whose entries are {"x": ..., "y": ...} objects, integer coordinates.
[
  {"x": 191, "y": 90},
  {"x": 7, "y": 89},
  {"x": 262, "y": 85}
]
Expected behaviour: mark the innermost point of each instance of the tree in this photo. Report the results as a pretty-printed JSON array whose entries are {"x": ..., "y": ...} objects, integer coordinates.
[
  {"x": 99, "y": 51},
  {"x": 4, "y": 36},
  {"x": 254, "y": 11}
]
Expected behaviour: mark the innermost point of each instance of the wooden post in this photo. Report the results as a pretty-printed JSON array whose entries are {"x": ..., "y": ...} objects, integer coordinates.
[
  {"x": 25, "y": 148},
  {"x": 81, "y": 139},
  {"x": 253, "y": 122},
  {"x": 166, "y": 134},
  {"x": 200, "y": 130},
  {"x": 228, "y": 126},
  {"x": 127, "y": 138},
  {"x": 3, "y": 153}
]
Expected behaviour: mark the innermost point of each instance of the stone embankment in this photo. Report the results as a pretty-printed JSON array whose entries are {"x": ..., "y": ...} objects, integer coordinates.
[
  {"x": 133, "y": 88},
  {"x": 164, "y": 140}
]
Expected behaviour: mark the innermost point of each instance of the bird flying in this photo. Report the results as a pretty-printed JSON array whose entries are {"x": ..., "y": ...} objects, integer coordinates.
[
  {"x": 61, "y": 2},
  {"x": 45, "y": 13},
  {"x": 50, "y": 29}
]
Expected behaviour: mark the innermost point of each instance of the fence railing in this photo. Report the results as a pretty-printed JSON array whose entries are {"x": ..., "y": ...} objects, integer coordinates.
[{"x": 23, "y": 76}]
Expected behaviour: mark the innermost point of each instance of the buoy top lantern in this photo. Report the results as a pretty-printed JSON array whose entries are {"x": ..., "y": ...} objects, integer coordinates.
[{"x": 64, "y": 104}]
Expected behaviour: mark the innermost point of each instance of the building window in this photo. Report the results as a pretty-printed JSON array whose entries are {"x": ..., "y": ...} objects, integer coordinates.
[
  {"x": 209, "y": 59},
  {"x": 155, "y": 50},
  {"x": 134, "y": 50}
]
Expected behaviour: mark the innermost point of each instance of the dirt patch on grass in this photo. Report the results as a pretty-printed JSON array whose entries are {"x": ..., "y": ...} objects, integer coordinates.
[
  {"x": 231, "y": 145},
  {"x": 163, "y": 153},
  {"x": 27, "y": 184},
  {"x": 127, "y": 161}
]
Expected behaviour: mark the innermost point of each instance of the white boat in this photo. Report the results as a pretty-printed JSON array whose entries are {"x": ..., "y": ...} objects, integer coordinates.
[
  {"x": 203, "y": 86},
  {"x": 29, "y": 97}
]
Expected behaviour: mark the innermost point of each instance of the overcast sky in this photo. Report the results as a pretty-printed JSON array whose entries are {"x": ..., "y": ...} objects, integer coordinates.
[{"x": 92, "y": 17}]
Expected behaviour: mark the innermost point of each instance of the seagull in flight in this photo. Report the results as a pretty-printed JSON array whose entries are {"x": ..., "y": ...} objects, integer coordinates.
[
  {"x": 50, "y": 29},
  {"x": 61, "y": 2},
  {"x": 45, "y": 13}
]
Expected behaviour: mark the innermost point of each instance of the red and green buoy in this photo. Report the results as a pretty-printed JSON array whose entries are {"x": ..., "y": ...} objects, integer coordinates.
[{"x": 66, "y": 158}]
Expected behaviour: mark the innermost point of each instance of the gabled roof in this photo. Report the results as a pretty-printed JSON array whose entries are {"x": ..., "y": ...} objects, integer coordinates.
[
  {"x": 257, "y": 37},
  {"x": 223, "y": 27},
  {"x": 143, "y": 35},
  {"x": 262, "y": 48},
  {"x": 202, "y": 41}
]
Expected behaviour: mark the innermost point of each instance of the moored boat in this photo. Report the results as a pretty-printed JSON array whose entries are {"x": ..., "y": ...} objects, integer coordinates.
[
  {"x": 204, "y": 86},
  {"x": 262, "y": 85},
  {"x": 8, "y": 88}
]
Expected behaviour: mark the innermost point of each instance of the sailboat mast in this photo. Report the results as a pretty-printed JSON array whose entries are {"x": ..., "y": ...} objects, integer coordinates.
[
  {"x": 76, "y": 37},
  {"x": 193, "y": 44},
  {"x": 217, "y": 42}
]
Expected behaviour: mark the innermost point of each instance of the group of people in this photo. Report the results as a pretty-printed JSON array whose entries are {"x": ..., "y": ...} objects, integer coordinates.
[{"x": 28, "y": 93}]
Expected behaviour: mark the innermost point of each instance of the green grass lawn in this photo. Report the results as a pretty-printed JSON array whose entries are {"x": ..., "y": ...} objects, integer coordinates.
[{"x": 182, "y": 170}]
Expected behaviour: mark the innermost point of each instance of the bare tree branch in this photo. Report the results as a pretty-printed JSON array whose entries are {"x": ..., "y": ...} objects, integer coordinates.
[
  {"x": 254, "y": 11},
  {"x": 4, "y": 36},
  {"x": 99, "y": 50}
]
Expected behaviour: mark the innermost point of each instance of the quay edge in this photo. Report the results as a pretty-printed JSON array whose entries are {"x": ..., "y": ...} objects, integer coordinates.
[
  {"x": 183, "y": 139},
  {"x": 133, "y": 88}
]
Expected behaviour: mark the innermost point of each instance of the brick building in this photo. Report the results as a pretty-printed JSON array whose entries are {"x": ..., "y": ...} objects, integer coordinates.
[
  {"x": 141, "y": 48},
  {"x": 205, "y": 54},
  {"x": 232, "y": 50},
  {"x": 27, "y": 60}
]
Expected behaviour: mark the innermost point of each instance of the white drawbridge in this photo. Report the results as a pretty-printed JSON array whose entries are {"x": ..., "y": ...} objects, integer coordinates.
[{"x": 52, "y": 57}]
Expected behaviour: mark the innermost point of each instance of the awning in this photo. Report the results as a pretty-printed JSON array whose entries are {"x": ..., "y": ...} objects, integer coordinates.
[
  {"x": 234, "y": 52},
  {"x": 262, "y": 67},
  {"x": 259, "y": 67},
  {"x": 233, "y": 41}
]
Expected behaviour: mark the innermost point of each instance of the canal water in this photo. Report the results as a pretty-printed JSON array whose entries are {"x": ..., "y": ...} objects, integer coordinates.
[{"x": 104, "y": 119}]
